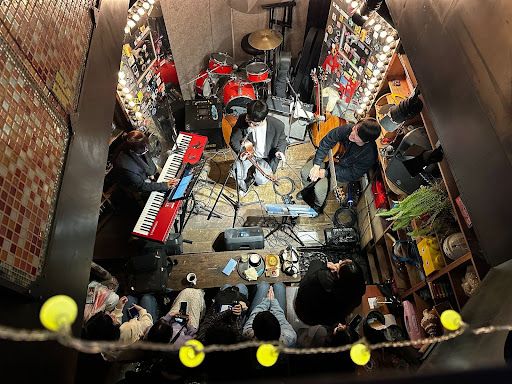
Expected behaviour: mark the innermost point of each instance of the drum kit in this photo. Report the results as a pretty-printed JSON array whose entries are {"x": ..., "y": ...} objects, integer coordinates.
[{"x": 237, "y": 86}]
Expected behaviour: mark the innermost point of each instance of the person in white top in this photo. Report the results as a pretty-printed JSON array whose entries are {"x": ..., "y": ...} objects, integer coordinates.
[{"x": 265, "y": 134}]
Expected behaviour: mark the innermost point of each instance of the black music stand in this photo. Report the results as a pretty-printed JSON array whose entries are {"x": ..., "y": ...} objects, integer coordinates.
[{"x": 236, "y": 204}]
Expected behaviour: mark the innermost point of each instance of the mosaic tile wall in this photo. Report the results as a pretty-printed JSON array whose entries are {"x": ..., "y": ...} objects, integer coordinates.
[
  {"x": 43, "y": 47},
  {"x": 54, "y": 37}
]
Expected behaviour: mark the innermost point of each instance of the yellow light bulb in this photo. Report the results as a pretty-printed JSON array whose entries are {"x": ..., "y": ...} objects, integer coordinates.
[
  {"x": 267, "y": 355},
  {"x": 127, "y": 29},
  {"x": 122, "y": 82},
  {"x": 141, "y": 11},
  {"x": 451, "y": 320},
  {"x": 135, "y": 17},
  {"x": 146, "y": 5},
  {"x": 151, "y": 1},
  {"x": 390, "y": 39},
  {"x": 58, "y": 312},
  {"x": 121, "y": 75},
  {"x": 188, "y": 355},
  {"x": 131, "y": 23},
  {"x": 360, "y": 354}
]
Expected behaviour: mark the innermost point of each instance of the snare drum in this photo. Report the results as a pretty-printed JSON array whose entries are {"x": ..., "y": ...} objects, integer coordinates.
[
  {"x": 236, "y": 93},
  {"x": 220, "y": 63},
  {"x": 257, "y": 72}
]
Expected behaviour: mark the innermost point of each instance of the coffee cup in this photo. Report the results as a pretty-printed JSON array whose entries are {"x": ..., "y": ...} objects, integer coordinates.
[
  {"x": 192, "y": 278},
  {"x": 254, "y": 259}
]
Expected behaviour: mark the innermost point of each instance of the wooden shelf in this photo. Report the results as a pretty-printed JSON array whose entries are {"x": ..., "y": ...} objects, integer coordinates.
[{"x": 400, "y": 79}]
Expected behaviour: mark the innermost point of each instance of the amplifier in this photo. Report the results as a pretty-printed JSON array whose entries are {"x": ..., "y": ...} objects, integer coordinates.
[
  {"x": 297, "y": 130},
  {"x": 204, "y": 117},
  {"x": 339, "y": 236},
  {"x": 282, "y": 106},
  {"x": 244, "y": 238}
]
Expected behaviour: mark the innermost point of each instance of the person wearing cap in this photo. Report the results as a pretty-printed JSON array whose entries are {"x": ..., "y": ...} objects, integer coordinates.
[
  {"x": 137, "y": 171},
  {"x": 360, "y": 155},
  {"x": 266, "y": 135}
]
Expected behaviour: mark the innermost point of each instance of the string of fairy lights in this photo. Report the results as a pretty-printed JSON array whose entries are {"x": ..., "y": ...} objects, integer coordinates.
[{"x": 59, "y": 312}]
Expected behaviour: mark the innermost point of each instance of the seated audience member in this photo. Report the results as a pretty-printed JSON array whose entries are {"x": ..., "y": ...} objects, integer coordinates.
[
  {"x": 196, "y": 307},
  {"x": 224, "y": 320},
  {"x": 329, "y": 292},
  {"x": 267, "y": 320},
  {"x": 147, "y": 301}
]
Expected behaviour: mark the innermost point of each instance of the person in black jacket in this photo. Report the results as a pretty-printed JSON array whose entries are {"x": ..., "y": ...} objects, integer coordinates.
[
  {"x": 329, "y": 292},
  {"x": 266, "y": 134},
  {"x": 359, "y": 156},
  {"x": 137, "y": 171}
]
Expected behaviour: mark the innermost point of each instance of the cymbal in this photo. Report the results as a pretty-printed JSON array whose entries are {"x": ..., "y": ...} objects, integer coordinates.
[{"x": 265, "y": 39}]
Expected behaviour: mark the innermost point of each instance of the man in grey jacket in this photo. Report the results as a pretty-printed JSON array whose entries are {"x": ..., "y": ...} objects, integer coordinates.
[{"x": 267, "y": 319}]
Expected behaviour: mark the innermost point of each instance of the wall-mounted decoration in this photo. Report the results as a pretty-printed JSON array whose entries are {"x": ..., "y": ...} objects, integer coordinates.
[{"x": 355, "y": 55}]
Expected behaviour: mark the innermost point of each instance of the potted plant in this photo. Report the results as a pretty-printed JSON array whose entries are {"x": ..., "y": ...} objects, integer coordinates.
[{"x": 427, "y": 204}]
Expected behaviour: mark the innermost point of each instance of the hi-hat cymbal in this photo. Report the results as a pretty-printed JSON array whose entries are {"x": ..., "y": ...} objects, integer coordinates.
[{"x": 265, "y": 40}]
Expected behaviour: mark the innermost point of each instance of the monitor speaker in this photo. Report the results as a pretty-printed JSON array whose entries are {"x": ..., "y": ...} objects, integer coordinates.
[{"x": 244, "y": 238}]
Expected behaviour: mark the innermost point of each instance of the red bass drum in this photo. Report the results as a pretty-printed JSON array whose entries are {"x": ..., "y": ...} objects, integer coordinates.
[{"x": 237, "y": 94}]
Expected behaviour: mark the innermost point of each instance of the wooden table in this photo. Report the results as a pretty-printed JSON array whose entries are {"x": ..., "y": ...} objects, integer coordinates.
[{"x": 208, "y": 269}]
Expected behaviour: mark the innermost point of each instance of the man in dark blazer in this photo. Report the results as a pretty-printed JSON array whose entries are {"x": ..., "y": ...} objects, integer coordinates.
[
  {"x": 137, "y": 171},
  {"x": 266, "y": 134}
]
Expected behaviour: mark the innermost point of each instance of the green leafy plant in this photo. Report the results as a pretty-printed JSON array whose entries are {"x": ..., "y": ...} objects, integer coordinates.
[{"x": 427, "y": 203}]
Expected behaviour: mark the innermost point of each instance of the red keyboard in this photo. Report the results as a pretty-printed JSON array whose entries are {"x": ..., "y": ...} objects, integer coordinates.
[{"x": 158, "y": 216}]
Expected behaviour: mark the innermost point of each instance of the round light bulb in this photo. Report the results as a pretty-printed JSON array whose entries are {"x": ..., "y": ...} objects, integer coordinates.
[
  {"x": 451, "y": 320},
  {"x": 126, "y": 90},
  {"x": 380, "y": 64},
  {"x": 188, "y": 355},
  {"x": 371, "y": 22},
  {"x": 58, "y": 312},
  {"x": 348, "y": 1},
  {"x": 131, "y": 104},
  {"x": 376, "y": 72},
  {"x": 366, "y": 99},
  {"x": 151, "y": 2},
  {"x": 377, "y": 27},
  {"x": 141, "y": 11},
  {"x": 360, "y": 111},
  {"x": 131, "y": 23},
  {"x": 121, "y": 75},
  {"x": 390, "y": 39},
  {"x": 386, "y": 48},
  {"x": 383, "y": 34},
  {"x": 371, "y": 87},
  {"x": 135, "y": 17},
  {"x": 129, "y": 96},
  {"x": 146, "y": 5},
  {"x": 354, "y": 4},
  {"x": 373, "y": 80},
  {"x": 122, "y": 82},
  {"x": 127, "y": 30},
  {"x": 382, "y": 57},
  {"x": 267, "y": 355},
  {"x": 138, "y": 115},
  {"x": 360, "y": 354}
]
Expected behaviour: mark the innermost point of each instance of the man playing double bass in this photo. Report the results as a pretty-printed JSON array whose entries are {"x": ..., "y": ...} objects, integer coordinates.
[{"x": 360, "y": 153}]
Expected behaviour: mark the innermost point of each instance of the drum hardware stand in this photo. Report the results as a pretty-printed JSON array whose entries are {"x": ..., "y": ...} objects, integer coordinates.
[{"x": 236, "y": 204}]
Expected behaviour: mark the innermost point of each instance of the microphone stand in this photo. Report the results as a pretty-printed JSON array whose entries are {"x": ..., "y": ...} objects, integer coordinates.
[{"x": 236, "y": 204}]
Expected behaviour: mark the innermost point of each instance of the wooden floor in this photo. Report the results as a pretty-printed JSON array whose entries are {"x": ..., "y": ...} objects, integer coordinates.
[{"x": 203, "y": 232}]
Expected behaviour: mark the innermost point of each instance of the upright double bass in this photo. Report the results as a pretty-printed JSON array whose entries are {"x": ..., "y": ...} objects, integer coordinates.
[{"x": 321, "y": 127}]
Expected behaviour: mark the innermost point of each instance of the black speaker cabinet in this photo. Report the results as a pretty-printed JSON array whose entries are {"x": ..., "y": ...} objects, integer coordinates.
[
  {"x": 204, "y": 117},
  {"x": 244, "y": 238}
]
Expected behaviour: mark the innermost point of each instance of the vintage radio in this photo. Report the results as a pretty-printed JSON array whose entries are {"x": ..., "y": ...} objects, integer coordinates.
[{"x": 431, "y": 255}]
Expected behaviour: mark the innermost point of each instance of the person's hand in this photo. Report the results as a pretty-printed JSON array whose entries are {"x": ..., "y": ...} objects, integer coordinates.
[
  {"x": 137, "y": 307},
  {"x": 281, "y": 156},
  {"x": 239, "y": 308},
  {"x": 172, "y": 182},
  {"x": 316, "y": 173},
  {"x": 122, "y": 301},
  {"x": 335, "y": 267},
  {"x": 270, "y": 293}
]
